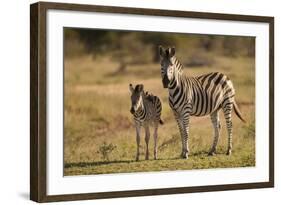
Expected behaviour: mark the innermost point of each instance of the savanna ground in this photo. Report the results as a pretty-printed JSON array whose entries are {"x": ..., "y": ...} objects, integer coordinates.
[{"x": 99, "y": 134}]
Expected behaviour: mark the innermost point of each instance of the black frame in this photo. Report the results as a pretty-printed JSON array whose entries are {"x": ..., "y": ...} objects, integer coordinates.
[{"x": 38, "y": 95}]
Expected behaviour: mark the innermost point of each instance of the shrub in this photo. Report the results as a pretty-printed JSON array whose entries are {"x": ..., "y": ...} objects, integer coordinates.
[{"x": 106, "y": 149}]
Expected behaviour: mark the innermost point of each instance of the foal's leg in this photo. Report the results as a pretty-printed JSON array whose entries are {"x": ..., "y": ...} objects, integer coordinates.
[
  {"x": 155, "y": 135},
  {"x": 147, "y": 137},
  {"x": 138, "y": 128},
  {"x": 216, "y": 126}
]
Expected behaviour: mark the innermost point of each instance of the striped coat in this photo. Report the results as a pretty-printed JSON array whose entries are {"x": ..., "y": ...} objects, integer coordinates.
[
  {"x": 146, "y": 110},
  {"x": 197, "y": 96}
]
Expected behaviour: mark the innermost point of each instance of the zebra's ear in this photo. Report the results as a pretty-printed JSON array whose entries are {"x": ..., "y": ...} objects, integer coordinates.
[
  {"x": 172, "y": 51},
  {"x": 161, "y": 51},
  {"x": 131, "y": 88},
  {"x": 139, "y": 88}
]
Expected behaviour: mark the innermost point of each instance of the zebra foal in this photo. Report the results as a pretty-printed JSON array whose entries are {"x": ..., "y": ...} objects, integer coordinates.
[
  {"x": 146, "y": 109},
  {"x": 197, "y": 96}
]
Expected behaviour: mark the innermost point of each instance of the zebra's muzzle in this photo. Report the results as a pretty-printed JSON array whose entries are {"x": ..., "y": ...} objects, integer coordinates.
[
  {"x": 132, "y": 110},
  {"x": 165, "y": 81}
]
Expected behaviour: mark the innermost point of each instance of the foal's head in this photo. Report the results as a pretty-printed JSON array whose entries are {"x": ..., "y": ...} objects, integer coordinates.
[{"x": 136, "y": 97}]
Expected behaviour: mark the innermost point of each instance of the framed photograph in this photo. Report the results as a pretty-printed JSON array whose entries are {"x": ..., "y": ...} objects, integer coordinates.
[{"x": 134, "y": 102}]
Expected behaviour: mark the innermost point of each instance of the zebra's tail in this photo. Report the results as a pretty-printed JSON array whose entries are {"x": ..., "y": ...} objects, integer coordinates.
[
  {"x": 161, "y": 122},
  {"x": 238, "y": 113}
]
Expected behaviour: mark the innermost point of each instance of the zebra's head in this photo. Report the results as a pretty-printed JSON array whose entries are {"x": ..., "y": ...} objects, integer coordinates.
[
  {"x": 136, "y": 97},
  {"x": 167, "y": 65}
]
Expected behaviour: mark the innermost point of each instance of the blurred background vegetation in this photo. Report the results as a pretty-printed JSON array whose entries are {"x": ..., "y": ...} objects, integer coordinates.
[
  {"x": 129, "y": 48},
  {"x": 99, "y": 133}
]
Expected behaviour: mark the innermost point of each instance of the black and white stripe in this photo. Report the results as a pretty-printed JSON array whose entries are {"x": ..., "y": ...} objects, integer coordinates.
[
  {"x": 197, "y": 96},
  {"x": 146, "y": 109}
]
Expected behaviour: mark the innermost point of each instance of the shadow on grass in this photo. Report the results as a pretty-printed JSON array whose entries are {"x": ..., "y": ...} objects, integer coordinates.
[
  {"x": 98, "y": 163},
  {"x": 200, "y": 153},
  {"x": 205, "y": 154}
]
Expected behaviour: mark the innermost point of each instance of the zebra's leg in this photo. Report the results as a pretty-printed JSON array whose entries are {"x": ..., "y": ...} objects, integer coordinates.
[
  {"x": 138, "y": 128},
  {"x": 217, "y": 127},
  {"x": 181, "y": 129},
  {"x": 185, "y": 136},
  {"x": 227, "y": 109},
  {"x": 155, "y": 135},
  {"x": 147, "y": 137},
  {"x": 183, "y": 124}
]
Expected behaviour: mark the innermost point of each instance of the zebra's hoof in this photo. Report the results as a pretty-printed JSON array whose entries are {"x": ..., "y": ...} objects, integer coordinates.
[
  {"x": 184, "y": 155},
  {"x": 212, "y": 153},
  {"x": 229, "y": 152}
]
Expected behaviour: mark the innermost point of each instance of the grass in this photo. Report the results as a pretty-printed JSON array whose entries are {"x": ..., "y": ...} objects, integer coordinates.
[{"x": 100, "y": 135}]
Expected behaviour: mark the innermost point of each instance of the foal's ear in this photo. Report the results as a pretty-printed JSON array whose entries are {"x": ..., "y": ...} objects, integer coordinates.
[
  {"x": 139, "y": 88},
  {"x": 161, "y": 51},
  {"x": 131, "y": 88},
  {"x": 172, "y": 51}
]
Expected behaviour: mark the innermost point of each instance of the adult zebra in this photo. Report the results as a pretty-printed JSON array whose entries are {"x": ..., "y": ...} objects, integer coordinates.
[
  {"x": 146, "y": 109},
  {"x": 197, "y": 96}
]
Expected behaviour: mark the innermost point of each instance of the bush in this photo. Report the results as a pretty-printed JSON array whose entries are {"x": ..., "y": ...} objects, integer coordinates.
[{"x": 105, "y": 150}]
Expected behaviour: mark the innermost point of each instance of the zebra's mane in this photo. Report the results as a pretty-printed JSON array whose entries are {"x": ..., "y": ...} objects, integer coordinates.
[
  {"x": 179, "y": 65},
  {"x": 183, "y": 76},
  {"x": 148, "y": 96}
]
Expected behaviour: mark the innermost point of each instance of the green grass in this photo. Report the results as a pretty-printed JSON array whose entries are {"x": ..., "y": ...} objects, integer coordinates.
[{"x": 97, "y": 103}]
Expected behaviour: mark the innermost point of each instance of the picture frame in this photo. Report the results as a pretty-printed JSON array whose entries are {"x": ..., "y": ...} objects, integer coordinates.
[{"x": 39, "y": 102}]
